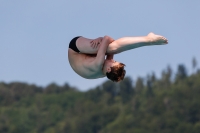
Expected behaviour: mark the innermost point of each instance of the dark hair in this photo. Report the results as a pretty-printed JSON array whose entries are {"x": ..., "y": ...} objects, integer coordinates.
[{"x": 117, "y": 73}]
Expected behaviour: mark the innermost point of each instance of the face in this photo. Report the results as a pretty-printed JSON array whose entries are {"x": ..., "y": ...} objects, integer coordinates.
[{"x": 108, "y": 64}]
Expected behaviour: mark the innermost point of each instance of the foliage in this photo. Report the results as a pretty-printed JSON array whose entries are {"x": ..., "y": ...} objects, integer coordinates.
[{"x": 151, "y": 105}]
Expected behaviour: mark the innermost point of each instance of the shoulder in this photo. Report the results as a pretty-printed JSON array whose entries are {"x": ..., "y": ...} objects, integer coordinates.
[{"x": 93, "y": 65}]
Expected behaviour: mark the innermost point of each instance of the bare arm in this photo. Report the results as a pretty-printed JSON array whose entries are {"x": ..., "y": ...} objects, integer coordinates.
[{"x": 100, "y": 58}]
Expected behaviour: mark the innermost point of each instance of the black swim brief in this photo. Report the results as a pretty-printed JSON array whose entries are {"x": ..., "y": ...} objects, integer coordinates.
[{"x": 72, "y": 44}]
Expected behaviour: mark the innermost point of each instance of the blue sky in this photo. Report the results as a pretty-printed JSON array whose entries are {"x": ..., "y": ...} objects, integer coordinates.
[{"x": 34, "y": 36}]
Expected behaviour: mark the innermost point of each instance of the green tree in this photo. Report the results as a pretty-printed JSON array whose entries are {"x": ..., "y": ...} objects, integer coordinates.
[
  {"x": 194, "y": 64},
  {"x": 181, "y": 73},
  {"x": 126, "y": 89},
  {"x": 139, "y": 84}
]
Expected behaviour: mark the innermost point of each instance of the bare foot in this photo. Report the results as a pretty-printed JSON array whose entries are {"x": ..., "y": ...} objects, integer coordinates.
[{"x": 157, "y": 39}]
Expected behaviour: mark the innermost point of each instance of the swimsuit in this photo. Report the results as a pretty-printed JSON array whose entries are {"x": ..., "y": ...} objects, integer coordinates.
[{"x": 72, "y": 44}]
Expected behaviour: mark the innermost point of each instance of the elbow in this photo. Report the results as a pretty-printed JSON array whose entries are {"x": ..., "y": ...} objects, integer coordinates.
[{"x": 108, "y": 39}]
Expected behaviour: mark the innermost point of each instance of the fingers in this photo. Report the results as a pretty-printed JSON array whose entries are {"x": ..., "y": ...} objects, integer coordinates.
[{"x": 94, "y": 44}]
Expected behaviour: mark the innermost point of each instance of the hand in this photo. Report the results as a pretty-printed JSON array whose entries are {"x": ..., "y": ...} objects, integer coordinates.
[{"x": 95, "y": 43}]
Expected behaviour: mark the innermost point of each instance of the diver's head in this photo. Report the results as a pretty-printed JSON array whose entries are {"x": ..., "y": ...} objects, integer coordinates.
[{"x": 114, "y": 70}]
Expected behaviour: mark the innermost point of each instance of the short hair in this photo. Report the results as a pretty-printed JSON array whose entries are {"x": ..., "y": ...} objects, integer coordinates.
[{"x": 117, "y": 73}]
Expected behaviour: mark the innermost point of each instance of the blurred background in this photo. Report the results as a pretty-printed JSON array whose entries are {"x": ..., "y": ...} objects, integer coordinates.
[{"x": 40, "y": 93}]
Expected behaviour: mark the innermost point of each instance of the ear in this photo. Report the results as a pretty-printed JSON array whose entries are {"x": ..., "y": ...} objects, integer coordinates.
[{"x": 108, "y": 69}]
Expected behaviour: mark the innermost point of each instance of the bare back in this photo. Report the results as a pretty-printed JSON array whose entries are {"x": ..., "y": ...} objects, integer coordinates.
[{"x": 82, "y": 65}]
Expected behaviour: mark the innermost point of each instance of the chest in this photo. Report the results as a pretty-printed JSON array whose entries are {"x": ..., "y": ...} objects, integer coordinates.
[{"x": 89, "y": 57}]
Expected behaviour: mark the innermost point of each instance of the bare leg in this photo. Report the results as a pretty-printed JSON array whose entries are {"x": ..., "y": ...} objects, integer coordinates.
[
  {"x": 122, "y": 44},
  {"x": 128, "y": 43}
]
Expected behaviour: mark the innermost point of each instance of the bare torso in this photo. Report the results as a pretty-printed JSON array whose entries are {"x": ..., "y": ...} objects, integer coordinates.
[{"x": 81, "y": 64}]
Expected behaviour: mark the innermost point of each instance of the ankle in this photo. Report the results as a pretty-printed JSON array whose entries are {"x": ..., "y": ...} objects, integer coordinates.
[{"x": 149, "y": 39}]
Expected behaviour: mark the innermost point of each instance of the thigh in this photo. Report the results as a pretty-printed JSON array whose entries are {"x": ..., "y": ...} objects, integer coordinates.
[{"x": 84, "y": 46}]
